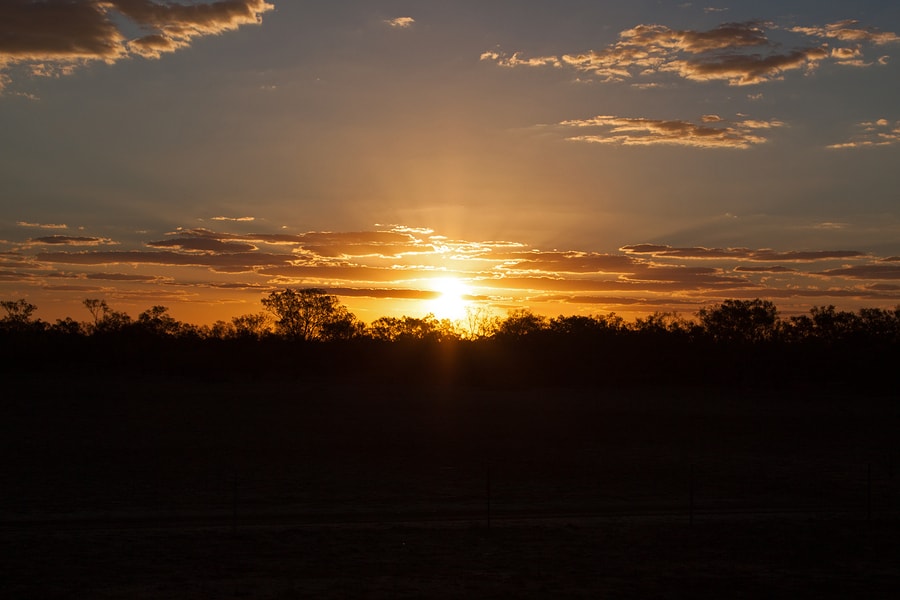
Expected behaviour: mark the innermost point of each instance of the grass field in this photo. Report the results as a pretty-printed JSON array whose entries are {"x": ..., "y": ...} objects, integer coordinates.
[{"x": 175, "y": 487}]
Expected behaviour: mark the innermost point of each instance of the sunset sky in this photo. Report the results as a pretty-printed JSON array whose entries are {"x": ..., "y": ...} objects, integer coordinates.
[{"x": 571, "y": 157}]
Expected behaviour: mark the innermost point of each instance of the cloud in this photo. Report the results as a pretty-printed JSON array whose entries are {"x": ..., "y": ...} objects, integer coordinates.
[
  {"x": 777, "y": 269},
  {"x": 53, "y": 37},
  {"x": 16, "y": 276},
  {"x": 41, "y": 225},
  {"x": 872, "y": 134},
  {"x": 714, "y": 132},
  {"x": 339, "y": 272},
  {"x": 387, "y": 293},
  {"x": 736, "y": 53},
  {"x": 739, "y": 70},
  {"x": 864, "y": 272},
  {"x": 400, "y": 22},
  {"x": 397, "y": 263},
  {"x": 847, "y": 31},
  {"x": 237, "y": 219},
  {"x": 66, "y": 240},
  {"x": 740, "y": 253},
  {"x": 516, "y": 60},
  {"x": 231, "y": 263},
  {"x": 122, "y": 277},
  {"x": 566, "y": 262},
  {"x": 829, "y": 226},
  {"x": 199, "y": 244},
  {"x": 320, "y": 243}
]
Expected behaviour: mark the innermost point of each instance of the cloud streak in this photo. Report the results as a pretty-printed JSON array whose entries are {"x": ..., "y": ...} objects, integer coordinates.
[
  {"x": 68, "y": 240},
  {"x": 712, "y": 132},
  {"x": 872, "y": 134},
  {"x": 400, "y": 263},
  {"x": 54, "y": 37},
  {"x": 738, "y": 54},
  {"x": 739, "y": 253},
  {"x": 401, "y": 22}
]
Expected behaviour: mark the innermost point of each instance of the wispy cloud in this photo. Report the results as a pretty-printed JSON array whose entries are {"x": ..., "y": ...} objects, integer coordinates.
[
  {"x": 67, "y": 240},
  {"x": 203, "y": 244},
  {"x": 871, "y": 271},
  {"x": 872, "y": 134},
  {"x": 54, "y": 37},
  {"x": 740, "y": 253},
  {"x": 123, "y": 277},
  {"x": 736, "y": 53},
  {"x": 400, "y": 22},
  {"x": 236, "y": 219},
  {"x": 227, "y": 263},
  {"x": 397, "y": 262},
  {"x": 850, "y": 31},
  {"x": 42, "y": 225},
  {"x": 712, "y": 132}
]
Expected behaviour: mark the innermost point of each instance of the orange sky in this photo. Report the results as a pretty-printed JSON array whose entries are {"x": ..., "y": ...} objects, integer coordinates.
[{"x": 570, "y": 158}]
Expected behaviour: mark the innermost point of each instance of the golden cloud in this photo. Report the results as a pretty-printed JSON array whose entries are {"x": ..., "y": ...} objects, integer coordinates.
[
  {"x": 42, "y": 225},
  {"x": 872, "y": 134},
  {"x": 401, "y": 22},
  {"x": 53, "y": 37},
  {"x": 398, "y": 263},
  {"x": 848, "y": 31},
  {"x": 712, "y": 133},
  {"x": 864, "y": 272},
  {"x": 736, "y": 53},
  {"x": 739, "y": 253},
  {"x": 68, "y": 240}
]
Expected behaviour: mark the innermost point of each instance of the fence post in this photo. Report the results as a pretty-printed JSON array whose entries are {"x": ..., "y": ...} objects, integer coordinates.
[
  {"x": 869, "y": 493},
  {"x": 234, "y": 489},
  {"x": 488, "y": 491},
  {"x": 691, "y": 495}
]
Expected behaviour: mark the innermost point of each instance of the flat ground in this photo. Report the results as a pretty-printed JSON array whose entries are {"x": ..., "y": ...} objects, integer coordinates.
[{"x": 115, "y": 487}]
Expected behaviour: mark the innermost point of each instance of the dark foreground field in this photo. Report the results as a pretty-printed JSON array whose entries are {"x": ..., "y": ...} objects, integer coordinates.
[
  {"x": 615, "y": 558},
  {"x": 119, "y": 486}
]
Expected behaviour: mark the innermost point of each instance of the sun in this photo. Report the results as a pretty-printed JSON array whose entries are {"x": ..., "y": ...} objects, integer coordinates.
[{"x": 451, "y": 304}]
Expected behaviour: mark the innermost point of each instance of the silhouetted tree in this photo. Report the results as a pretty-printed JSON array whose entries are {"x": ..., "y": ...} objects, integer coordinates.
[
  {"x": 249, "y": 326},
  {"x": 18, "y": 316},
  {"x": 428, "y": 328},
  {"x": 480, "y": 323},
  {"x": 68, "y": 326},
  {"x": 156, "y": 320},
  {"x": 583, "y": 326},
  {"x": 663, "y": 323},
  {"x": 17, "y": 311},
  {"x": 740, "y": 320},
  {"x": 343, "y": 325},
  {"x": 829, "y": 325},
  {"x": 105, "y": 319},
  {"x": 878, "y": 323},
  {"x": 521, "y": 322},
  {"x": 310, "y": 314},
  {"x": 832, "y": 325}
]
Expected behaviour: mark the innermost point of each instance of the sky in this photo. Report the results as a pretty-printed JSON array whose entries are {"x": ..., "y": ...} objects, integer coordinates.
[{"x": 568, "y": 157}]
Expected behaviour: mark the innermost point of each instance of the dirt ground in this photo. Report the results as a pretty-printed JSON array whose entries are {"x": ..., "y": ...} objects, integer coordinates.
[
  {"x": 115, "y": 488},
  {"x": 617, "y": 558}
]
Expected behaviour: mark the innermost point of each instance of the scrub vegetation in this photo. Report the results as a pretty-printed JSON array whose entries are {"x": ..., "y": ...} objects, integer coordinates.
[
  {"x": 299, "y": 453},
  {"x": 307, "y": 332}
]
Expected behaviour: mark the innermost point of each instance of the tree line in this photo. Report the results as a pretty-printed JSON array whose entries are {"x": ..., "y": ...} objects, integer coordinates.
[
  {"x": 313, "y": 315},
  {"x": 306, "y": 335}
]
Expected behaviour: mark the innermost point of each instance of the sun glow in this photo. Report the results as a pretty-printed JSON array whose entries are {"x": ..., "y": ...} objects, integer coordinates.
[{"x": 451, "y": 304}]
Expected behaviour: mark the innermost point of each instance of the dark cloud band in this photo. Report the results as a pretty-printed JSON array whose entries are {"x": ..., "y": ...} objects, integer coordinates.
[{"x": 53, "y": 37}]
